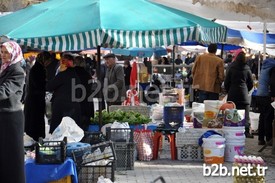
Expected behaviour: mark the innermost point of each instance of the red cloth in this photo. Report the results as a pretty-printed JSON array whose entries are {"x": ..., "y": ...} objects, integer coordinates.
[{"x": 133, "y": 76}]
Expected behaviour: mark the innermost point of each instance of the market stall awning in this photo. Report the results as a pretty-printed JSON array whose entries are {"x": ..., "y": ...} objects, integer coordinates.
[{"x": 61, "y": 25}]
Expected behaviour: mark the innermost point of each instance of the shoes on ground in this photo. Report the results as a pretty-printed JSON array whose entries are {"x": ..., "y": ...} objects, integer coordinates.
[
  {"x": 249, "y": 135},
  {"x": 269, "y": 143},
  {"x": 261, "y": 142}
]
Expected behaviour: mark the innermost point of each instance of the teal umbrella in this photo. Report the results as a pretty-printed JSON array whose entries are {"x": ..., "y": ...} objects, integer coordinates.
[{"x": 61, "y": 25}]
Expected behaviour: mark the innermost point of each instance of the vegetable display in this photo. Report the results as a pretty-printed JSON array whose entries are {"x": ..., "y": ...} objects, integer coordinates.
[{"x": 133, "y": 118}]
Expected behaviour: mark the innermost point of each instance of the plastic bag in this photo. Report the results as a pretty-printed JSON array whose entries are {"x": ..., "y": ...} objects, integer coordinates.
[
  {"x": 120, "y": 132},
  {"x": 144, "y": 140},
  {"x": 67, "y": 128}
]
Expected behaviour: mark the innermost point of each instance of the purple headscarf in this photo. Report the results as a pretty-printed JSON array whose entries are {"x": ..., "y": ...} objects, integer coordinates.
[{"x": 16, "y": 54}]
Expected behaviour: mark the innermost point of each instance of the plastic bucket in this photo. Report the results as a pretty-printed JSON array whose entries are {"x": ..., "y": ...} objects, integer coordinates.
[
  {"x": 211, "y": 108},
  {"x": 213, "y": 149},
  {"x": 232, "y": 148},
  {"x": 234, "y": 133}
]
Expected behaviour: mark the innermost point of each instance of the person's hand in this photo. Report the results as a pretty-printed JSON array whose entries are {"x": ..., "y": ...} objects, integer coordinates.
[{"x": 63, "y": 67}]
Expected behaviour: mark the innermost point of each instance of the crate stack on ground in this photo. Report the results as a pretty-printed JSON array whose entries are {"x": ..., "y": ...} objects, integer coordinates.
[
  {"x": 187, "y": 145},
  {"x": 99, "y": 160},
  {"x": 124, "y": 147}
]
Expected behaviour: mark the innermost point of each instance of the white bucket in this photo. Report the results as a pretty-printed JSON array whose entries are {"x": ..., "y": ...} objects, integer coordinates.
[
  {"x": 211, "y": 109},
  {"x": 213, "y": 149},
  {"x": 234, "y": 133},
  {"x": 232, "y": 148}
]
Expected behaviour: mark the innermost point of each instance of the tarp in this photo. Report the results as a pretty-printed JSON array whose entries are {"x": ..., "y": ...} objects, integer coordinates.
[{"x": 61, "y": 25}]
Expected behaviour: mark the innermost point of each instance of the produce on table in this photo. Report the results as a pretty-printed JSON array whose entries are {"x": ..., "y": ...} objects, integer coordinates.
[{"x": 133, "y": 118}]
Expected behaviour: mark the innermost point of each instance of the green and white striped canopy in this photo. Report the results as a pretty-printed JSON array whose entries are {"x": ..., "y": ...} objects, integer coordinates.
[{"x": 67, "y": 25}]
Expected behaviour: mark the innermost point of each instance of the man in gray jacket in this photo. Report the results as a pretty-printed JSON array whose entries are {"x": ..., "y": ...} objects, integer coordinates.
[{"x": 114, "y": 87}]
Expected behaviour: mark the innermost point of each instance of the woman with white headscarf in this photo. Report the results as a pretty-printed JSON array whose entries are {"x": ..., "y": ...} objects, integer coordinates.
[{"x": 12, "y": 79}]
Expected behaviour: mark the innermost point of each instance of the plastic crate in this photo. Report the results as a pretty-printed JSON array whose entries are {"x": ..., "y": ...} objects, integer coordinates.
[
  {"x": 90, "y": 173},
  {"x": 190, "y": 152},
  {"x": 125, "y": 155},
  {"x": 50, "y": 152},
  {"x": 79, "y": 146},
  {"x": 173, "y": 117},
  {"x": 120, "y": 134},
  {"x": 67, "y": 179},
  {"x": 87, "y": 163},
  {"x": 189, "y": 136},
  {"x": 93, "y": 137}
]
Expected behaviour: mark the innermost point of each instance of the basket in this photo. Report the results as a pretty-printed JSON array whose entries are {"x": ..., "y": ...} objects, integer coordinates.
[
  {"x": 50, "y": 152},
  {"x": 89, "y": 166},
  {"x": 120, "y": 134},
  {"x": 144, "y": 110},
  {"x": 190, "y": 152},
  {"x": 67, "y": 179},
  {"x": 189, "y": 136},
  {"x": 125, "y": 155},
  {"x": 93, "y": 137}
]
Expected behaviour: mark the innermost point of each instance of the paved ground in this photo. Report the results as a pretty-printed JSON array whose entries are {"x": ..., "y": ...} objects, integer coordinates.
[{"x": 192, "y": 172}]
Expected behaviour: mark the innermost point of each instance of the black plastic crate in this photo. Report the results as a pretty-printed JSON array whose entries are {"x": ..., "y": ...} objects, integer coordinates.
[
  {"x": 86, "y": 163},
  {"x": 120, "y": 134},
  {"x": 50, "y": 152},
  {"x": 93, "y": 137},
  {"x": 90, "y": 173},
  {"x": 125, "y": 155}
]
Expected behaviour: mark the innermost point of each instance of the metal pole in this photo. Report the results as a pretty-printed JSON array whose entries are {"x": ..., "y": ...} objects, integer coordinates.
[
  {"x": 100, "y": 101},
  {"x": 173, "y": 68}
]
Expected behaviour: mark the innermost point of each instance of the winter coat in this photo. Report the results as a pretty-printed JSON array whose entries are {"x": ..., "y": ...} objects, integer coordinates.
[
  {"x": 238, "y": 82},
  {"x": 86, "y": 105},
  {"x": 35, "y": 104},
  {"x": 263, "y": 87},
  {"x": 65, "y": 97},
  {"x": 208, "y": 73},
  {"x": 12, "y": 124}
]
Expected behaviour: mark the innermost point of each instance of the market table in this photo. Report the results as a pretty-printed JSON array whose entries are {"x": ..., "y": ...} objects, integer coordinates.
[{"x": 41, "y": 173}]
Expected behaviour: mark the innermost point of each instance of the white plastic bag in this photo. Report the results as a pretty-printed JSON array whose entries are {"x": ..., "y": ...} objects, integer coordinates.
[
  {"x": 28, "y": 141},
  {"x": 67, "y": 128}
]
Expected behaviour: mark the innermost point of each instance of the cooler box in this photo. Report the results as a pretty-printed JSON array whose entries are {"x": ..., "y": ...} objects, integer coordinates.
[{"x": 173, "y": 117}]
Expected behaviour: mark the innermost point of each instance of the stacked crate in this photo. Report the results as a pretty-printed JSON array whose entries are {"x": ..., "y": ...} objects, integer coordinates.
[
  {"x": 187, "y": 145},
  {"x": 98, "y": 161},
  {"x": 124, "y": 147}
]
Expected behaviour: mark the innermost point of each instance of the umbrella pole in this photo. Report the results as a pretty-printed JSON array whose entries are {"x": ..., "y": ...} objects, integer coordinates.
[
  {"x": 222, "y": 51},
  {"x": 173, "y": 67},
  {"x": 100, "y": 101}
]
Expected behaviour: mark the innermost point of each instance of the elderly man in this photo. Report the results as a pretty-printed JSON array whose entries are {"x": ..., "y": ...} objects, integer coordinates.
[
  {"x": 208, "y": 74},
  {"x": 114, "y": 84}
]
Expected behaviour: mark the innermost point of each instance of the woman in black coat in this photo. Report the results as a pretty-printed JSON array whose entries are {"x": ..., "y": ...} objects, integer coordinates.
[
  {"x": 35, "y": 104},
  {"x": 238, "y": 82},
  {"x": 86, "y": 105},
  {"x": 12, "y": 79},
  {"x": 66, "y": 94}
]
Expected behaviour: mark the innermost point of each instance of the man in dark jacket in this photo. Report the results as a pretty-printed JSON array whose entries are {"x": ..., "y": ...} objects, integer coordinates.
[
  {"x": 114, "y": 83},
  {"x": 265, "y": 95}
]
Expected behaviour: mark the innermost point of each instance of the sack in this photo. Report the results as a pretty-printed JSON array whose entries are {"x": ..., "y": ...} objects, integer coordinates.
[
  {"x": 67, "y": 128},
  {"x": 219, "y": 120},
  {"x": 144, "y": 140},
  {"x": 234, "y": 117}
]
